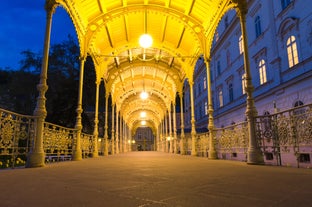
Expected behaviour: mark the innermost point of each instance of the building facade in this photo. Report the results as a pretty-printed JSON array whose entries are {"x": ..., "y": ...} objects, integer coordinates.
[{"x": 280, "y": 52}]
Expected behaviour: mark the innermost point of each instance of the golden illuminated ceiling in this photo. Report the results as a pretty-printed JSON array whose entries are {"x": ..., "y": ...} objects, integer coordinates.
[{"x": 109, "y": 30}]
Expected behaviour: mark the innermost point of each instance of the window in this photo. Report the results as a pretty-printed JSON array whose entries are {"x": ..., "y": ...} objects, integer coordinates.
[
  {"x": 292, "y": 51},
  {"x": 262, "y": 72},
  {"x": 241, "y": 45},
  {"x": 268, "y": 155},
  {"x": 228, "y": 58},
  {"x": 244, "y": 84},
  {"x": 219, "y": 68},
  {"x": 217, "y": 36},
  {"x": 299, "y": 111},
  {"x": 205, "y": 83},
  {"x": 226, "y": 22},
  {"x": 220, "y": 98},
  {"x": 285, "y": 3},
  {"x": 258, "y": 26},
  {"x": 206, "y": 108},
  {"x": 231, "y": 92},
  {"x": 304, "y": 157}
]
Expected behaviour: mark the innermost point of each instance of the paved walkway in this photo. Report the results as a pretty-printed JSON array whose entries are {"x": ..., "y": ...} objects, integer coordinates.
[{"x": 142, "y": 179}]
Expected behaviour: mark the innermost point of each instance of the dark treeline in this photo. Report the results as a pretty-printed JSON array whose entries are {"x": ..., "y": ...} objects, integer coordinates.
[{"x": 18, "y": 91}]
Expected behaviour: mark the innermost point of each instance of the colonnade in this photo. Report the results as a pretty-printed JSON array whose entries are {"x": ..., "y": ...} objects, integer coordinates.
[{"x": 167, "y": 134}]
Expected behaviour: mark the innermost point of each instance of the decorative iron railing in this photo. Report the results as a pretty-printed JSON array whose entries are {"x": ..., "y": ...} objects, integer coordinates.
[
  {"x": 16, "y": 132},
  {"x": 58, "y": 142},
  {"x": 286, "y": 137},
  {"x": 232, "y": 141}
]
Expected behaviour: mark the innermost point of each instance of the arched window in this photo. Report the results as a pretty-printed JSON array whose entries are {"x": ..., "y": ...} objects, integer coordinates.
[
  {"x": 285, "y": 3},
  {"x": 258, "y": 26},
  {"x": 300, "y": 110},
  {"x": 292, "y": 51},
  {"x": 262, "y": 72}
]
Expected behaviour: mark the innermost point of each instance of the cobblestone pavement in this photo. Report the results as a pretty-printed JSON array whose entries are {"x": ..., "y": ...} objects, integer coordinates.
[{"x": 150, "y": 179}]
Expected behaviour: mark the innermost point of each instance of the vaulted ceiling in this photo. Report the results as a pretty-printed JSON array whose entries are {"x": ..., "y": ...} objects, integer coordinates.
[{"x": 109, "y": 31}]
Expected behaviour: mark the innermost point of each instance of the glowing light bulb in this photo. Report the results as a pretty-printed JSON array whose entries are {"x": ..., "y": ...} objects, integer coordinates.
[
  {"x": 146, "y": 40},
  {"x": 144, "y": 95}
]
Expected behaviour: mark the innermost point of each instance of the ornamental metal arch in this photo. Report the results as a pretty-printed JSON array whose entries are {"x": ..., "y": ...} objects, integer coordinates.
[{"x": 109, "y": 30}]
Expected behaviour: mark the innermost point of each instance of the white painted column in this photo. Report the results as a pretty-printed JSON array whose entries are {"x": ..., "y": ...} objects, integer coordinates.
[
  {"x": 113, "y": 129},
  {"x": 96, "y": 120},
  {"x": 182, "y": 142},
  {"x": 254, "y": 155},
  {"x": 36, "y": 156},
  {"x": 117, "y": 134},
  {"x": 106, "y": 127},
  {"x": 193, "y": 132},
  {"x": 212, "y": 153}
]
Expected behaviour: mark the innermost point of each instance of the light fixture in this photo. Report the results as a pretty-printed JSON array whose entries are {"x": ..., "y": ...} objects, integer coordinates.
[
  {"x": 144, "y": 95},
  {"x": 143, "y": 123},
  {"x": 145, "y": 40},
  {"x": 143, "y": 114}
]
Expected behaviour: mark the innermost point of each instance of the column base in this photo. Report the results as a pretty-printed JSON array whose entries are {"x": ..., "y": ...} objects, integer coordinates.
[
  {"x": 77, "y": 155},
  {"x": 194, "y": 153},
  {"x": 255, "y": 157},
  {"x": 35, "y": 159},
  {"x": 212, "y": 155},
  {"x": 95, "y": 154}
]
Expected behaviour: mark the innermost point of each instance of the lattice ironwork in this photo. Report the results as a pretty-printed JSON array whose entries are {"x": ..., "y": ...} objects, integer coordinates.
[
  {"x": 58, "y": 142},
  {"x": 286, "y": 134},
  {"x": 16, "y": 133}
]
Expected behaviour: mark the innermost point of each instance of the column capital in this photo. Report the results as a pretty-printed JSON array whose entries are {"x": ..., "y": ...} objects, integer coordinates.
[
  {"x": 241, "y": 7},
  {"x": 50, "y": 6},
  {"x": 82, "y": 58}
]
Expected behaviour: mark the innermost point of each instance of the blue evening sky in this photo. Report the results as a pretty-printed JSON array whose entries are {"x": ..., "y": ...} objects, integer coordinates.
[{"x": 22, "y": 27}]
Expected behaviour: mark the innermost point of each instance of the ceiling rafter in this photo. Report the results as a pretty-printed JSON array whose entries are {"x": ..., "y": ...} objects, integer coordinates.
[
  {"x": 164, "y": 67},
  {"x": 189, "y": 9}
]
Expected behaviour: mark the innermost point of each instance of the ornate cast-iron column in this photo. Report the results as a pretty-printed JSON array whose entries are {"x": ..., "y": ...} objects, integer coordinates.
[
  {"x": 96, "y": 120},
  {"x": 163, "y": 142},
  {"x": 121, "y": 135},
  {"x": 106, "y": 127},
  {"x": 117, "y": 135},
  {"x": 36, "y": 156},
  {"x": 175, "y": 129},
  {"x": 170, "y": 131},
  {"x": 182, "y": 142},
  {"x": 212, "y": 154},
  {"x": 77, "y": 154},
  {"x": 113, "y": 129},
  {"x": 124, "y": 136},
  {"x": 254, "y": 155},
  {"x": 166, "y": 133},
  {"x": 193, "y": 132}
]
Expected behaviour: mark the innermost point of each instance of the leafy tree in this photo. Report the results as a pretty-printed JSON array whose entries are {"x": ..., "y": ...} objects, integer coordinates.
[{"x": 18, "y": 88}]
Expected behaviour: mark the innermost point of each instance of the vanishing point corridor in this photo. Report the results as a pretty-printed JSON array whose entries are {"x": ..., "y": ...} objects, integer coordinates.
[{"x": 155, "y": 179}]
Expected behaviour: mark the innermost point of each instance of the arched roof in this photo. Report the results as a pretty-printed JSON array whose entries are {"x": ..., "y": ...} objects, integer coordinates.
[{"x": 109, "y": 30}]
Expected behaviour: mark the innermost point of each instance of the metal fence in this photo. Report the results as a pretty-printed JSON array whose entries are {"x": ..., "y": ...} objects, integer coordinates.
[
  {"x": 285, "y": 138},
  {"x": 16, "y": 132}
]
